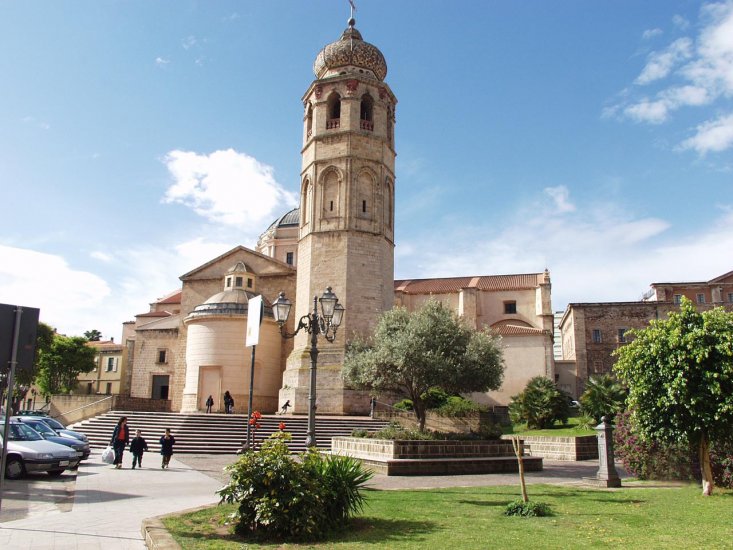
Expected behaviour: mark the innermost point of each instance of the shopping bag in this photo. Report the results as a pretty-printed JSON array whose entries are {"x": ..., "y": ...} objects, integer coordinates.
[{"x": 108, "y": 455}]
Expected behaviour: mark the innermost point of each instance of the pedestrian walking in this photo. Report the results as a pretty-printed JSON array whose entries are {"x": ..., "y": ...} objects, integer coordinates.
[
  {"x": 228, "y": 402},
  {"x": 166, "y": 447},
  {"x": 138, "y": 446},
  {"x": 285, "y": 406},
  {"x": 209, "y": 404},
  {"x": 120, "y": 439}
]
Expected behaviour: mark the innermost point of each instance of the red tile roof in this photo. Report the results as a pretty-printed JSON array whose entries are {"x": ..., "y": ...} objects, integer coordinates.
[
  {"x": 172, "y": 298},
  {"x": 514, "y": 330},
  {"x": 454, "y": 284},
  {"x": 155, "y": 314}
]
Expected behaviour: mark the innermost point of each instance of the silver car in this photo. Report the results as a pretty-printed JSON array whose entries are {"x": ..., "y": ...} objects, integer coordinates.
[{"x": 28, "y": 452}]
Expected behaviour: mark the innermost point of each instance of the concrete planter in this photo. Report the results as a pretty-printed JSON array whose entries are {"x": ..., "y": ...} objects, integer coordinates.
[
  {"x": 409, "y": 457},
  {"x": 569, "y": 448}
]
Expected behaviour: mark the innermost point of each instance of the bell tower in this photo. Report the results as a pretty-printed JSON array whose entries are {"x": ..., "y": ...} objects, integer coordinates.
[{"x": 346, "y": 234}]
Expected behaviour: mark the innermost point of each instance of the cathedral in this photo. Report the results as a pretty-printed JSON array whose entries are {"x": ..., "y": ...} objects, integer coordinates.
[{"x": 191, "y": 344}]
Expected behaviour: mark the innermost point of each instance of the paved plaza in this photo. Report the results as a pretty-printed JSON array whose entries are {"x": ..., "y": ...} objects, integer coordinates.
[{"x": 103, "y": 508}]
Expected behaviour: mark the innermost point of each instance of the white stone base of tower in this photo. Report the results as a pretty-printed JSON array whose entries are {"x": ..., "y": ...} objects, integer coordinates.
[{"x": 331, "y": 396}]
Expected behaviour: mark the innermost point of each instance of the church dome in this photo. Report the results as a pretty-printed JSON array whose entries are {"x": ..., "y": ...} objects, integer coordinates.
[{"x": 350, "y": 50}]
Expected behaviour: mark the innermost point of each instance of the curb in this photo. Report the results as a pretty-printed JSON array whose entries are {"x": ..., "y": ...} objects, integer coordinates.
[{"x": 155, "y": 534}]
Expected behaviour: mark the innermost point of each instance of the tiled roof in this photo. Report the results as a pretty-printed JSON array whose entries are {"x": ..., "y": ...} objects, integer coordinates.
[
  {"x": 172, "y": 298},
  {"x": 513, "y": 330},
  {"x": 155, "y": 314},
  {"x": 454, "y": 284}
]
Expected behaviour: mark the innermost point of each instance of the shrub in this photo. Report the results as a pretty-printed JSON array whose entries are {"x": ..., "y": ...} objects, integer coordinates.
[
  {"x": 279, "y": 496},
  {"x": 435, "y": 398},
  {"x": 603, "y": 396},
  {"x": 527, "y": 509},
  {"x": 458, "y": 406},
  {"x": 540, "y": 404},
  {"x": 394, "y": 430},
  {"x": 650, "y": 459},
  {"x": 404, "y": 405},
  {"x": 359, "y": 432},
  {"x": 586, "y": 422},
  {"x": 721, "y": 459}
]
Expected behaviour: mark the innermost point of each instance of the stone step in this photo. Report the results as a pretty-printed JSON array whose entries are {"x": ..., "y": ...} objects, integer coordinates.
[{"x": 219, "y": 433}]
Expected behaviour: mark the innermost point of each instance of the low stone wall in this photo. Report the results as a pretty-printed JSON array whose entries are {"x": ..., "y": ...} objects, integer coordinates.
[
  {"x": 141, "y": 404},
  {"x": 462, "y": 424},
  {"x": 433, "y": 457},
  {"x": 386, "y": 449},
  {"x": 560, "y": 448}
]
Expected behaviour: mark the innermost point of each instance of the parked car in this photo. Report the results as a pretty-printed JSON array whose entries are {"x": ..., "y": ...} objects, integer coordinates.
[
  {"x": 82, "y": 448},
  {"x": 29, "y": 452},
  {"x": 55, "y": 425}
]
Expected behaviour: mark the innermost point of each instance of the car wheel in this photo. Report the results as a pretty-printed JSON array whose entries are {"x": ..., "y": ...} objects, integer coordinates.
[
  {"x": 14, "y": 468},
  {"x": 56, "y": 473}
]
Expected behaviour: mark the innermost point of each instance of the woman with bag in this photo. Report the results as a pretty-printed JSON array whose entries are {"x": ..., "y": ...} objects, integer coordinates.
[{"x": 120, "y": 438}]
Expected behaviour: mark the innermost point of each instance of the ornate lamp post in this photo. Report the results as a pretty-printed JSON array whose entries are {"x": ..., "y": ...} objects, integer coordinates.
[{"x": 314, "y": 324}]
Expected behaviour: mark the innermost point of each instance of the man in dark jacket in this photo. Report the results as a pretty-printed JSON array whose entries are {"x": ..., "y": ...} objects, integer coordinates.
[{"x": 138, "y": 446}]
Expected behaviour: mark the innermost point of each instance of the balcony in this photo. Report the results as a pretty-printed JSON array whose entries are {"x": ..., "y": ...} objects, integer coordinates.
[
  {"x": 366, "y": 125},
  {"x": 333, "y": 123}
]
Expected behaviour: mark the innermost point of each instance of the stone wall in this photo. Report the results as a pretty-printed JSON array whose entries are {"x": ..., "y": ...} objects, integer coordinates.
[
  {"x": 385, "y": 449},
  {"x": 561, "y": 448}
]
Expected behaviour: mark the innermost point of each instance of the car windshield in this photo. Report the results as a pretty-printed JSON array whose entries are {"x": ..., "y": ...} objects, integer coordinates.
[
  {"x": 42, "y": 428},
  {"x": 21, "y": 432},
  {"x": 55, "y": 424}
]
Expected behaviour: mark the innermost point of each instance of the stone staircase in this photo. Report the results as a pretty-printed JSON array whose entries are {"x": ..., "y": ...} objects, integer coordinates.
[{"x": 219, "y": 433}]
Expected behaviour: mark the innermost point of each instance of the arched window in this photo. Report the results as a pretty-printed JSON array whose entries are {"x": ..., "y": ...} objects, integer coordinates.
[
  {"x": 334, "y": 111},
  {"x": 364, "y": 196},
  {"x": 306, "y": 201},
  {"x": 366, "y": 116},
  {"x": 309, "y": 121},
  {"x": 331, "y": 194},
  {"x": 388, "y": 203}
]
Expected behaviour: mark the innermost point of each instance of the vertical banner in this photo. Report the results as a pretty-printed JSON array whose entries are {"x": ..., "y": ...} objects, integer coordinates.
[{"x": 254, "y": 319}]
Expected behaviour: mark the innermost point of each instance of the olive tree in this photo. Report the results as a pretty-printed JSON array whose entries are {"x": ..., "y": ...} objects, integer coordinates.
[
  {"x": 411, "y": 352},
  {"x": 679, "y": 372},
  {"x": 60, "y": 364}
]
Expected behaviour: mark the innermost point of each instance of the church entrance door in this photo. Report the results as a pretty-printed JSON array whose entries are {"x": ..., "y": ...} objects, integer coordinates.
[
  {"x": 160, "y": 386},
  {"x": 210, "y": 384}
]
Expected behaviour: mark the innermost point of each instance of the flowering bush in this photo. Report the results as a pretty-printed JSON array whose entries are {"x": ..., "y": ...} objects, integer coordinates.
[{"x": 281, "y": 496}]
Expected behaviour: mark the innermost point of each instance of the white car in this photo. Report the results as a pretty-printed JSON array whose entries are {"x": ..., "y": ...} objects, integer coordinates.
[{"x": 28, "y": 452}]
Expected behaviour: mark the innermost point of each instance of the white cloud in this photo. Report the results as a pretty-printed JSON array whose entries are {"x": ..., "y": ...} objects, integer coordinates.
[
  {"x": 561, "y": 197},
  {"x": 161, "y": 61},
  {"x": 712, "y": 136},
  {"x": 227, "y": 187},
  {"x": 688, "y": 73},
  {"x": 189, "y": 42},
  {"x": 651, "y": 33},
  {"x": 102, "y": 256},
  {"x": 680, "y": 22},
  {"x": 69, "y": 299},
  {"x": 660, "y": 64}
]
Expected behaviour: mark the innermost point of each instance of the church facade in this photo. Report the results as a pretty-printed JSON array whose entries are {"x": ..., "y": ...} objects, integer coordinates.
[{"x": 191, "y": 344}]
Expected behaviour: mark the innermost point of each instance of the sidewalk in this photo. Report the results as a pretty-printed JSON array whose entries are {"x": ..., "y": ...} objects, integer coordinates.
[{"x": 102, "y": 508}]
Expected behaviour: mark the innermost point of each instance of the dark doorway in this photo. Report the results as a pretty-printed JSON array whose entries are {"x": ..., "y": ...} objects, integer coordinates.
[{"x": 160, "y": 387}]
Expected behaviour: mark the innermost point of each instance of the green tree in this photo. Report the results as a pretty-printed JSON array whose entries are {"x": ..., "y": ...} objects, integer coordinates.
[
  {"x": 410, "y": 353},
  {"x": 93, "y": 335},
  {"x": 539, "y": 404},
  {"x": 603, "y": 396},
  {"x": 679, "y": 372},
  {"x": 62, "y": 362}
]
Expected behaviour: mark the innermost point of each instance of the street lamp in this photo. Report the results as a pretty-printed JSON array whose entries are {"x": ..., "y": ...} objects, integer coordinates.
[{"x": 314, "y": 324}]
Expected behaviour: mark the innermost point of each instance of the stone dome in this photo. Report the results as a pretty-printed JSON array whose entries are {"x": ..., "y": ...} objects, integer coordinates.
[{"x": 350, "y": 50}]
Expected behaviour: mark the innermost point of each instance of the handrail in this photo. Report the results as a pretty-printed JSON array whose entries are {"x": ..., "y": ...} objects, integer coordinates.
[{"x": 85, "y": 406}]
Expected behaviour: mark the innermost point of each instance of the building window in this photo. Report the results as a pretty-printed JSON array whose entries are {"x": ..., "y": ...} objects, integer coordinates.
[
  {"x": 238, "y": 282},
  {"x": 597, "y": 339},
  {"x": 621, "y": 335},
  {"x": 249, "y": 282},
  {"x": 510, "y": 307},
  {"x": 289, "y": 258},
  {"x": 678, "y": 299},
  {"x": 162, "y": 356},
  {"x": 700, "y": 298},
  {"x": 331, "y": 206},
  {"x": 730, "y": 297},
  {"x": 110, "y": 364},
  {"x": 363, "y": 206},
  {"x": 229, "y": 282},
  {"x": 597, "y": 366}
]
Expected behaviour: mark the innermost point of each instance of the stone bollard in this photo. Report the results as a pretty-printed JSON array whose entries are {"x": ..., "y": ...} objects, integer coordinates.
[{"x": 607, "y": 475}]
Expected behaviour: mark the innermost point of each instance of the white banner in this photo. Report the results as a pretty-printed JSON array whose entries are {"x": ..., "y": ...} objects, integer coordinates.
[{"x": 254, "y": 318}]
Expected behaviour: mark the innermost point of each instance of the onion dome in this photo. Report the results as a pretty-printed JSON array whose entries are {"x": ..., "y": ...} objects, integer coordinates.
[{"x": 350, "y": 51}]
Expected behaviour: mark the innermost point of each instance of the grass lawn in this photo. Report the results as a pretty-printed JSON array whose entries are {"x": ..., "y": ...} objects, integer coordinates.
[
  {"x": 636, "y": 516},
  {"x": 570, "y": 429}
]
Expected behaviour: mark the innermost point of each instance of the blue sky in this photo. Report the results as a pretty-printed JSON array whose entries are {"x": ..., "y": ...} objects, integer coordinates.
[{"x": 140, "y": 139}]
